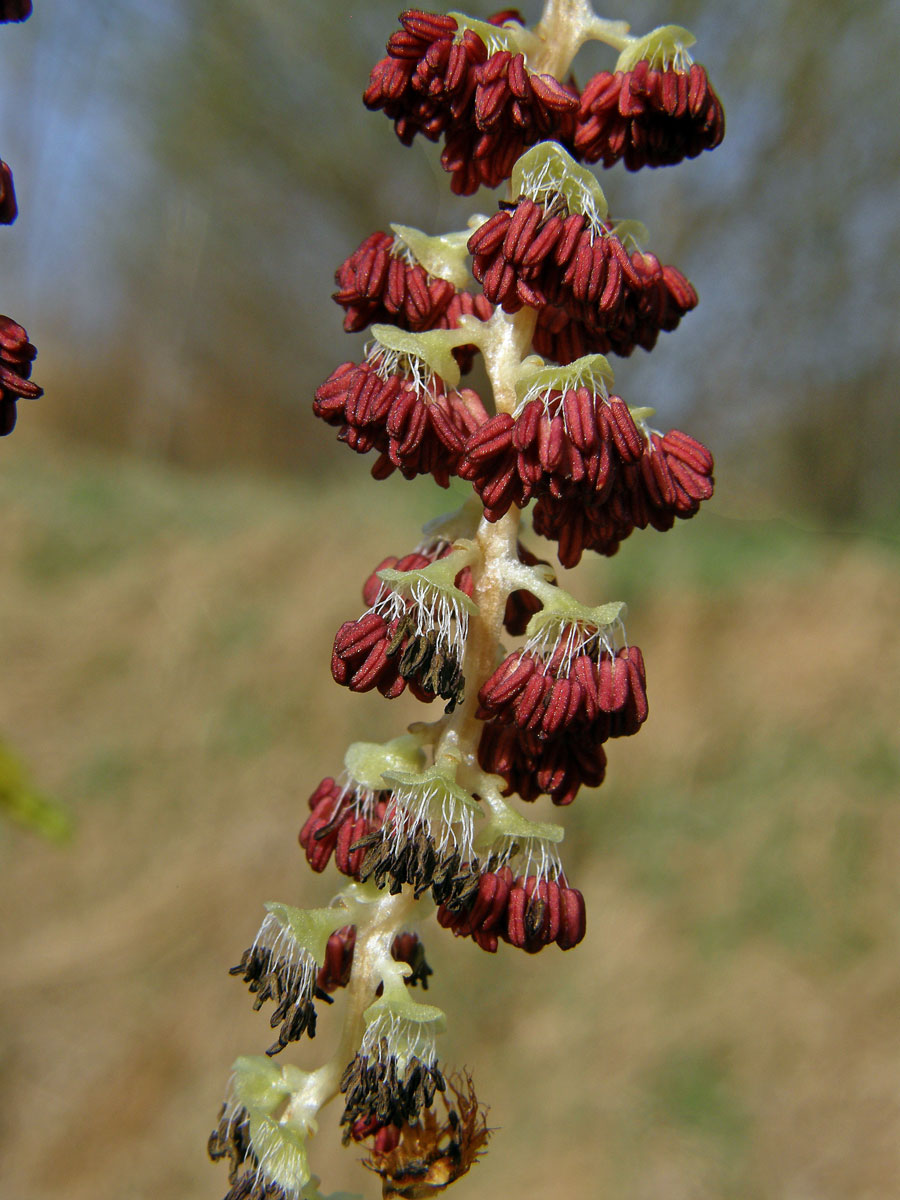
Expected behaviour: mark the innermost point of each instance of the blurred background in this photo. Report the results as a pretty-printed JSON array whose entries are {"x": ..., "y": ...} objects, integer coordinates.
[{"x": 180, "y": 540}]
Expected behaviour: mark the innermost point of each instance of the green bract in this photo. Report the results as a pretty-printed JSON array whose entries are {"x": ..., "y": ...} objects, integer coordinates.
[
  {"x": 630, "y": 231},
  {"x": 547, "y": 170},
  {"x": 444, "y": 257},
  {"x": 507, "y": 824},
  {"x": 257, "y": 1084},
  {"x": 366, "y": 762},
  {"x": 310, "y": 928},
  {"x": 421, "y": 354},
  {"x": 662, "y": 47},
  {"x": 438, "y": 578},
  {"x": 396, "y": 1005},
  {"x": 311, "y": 1192},
  {"x": 435, "y": 788},
  {"x": 564, "y": 609},
  {"x": 512, "y": 37},
  {"x": 281, "y": 1149},
  {"x": 593, "y": 372}
]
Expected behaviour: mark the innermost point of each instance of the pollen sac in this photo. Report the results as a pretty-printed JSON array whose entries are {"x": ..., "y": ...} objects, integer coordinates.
[
  {"x": 549, "y": 707},
  {"x": 565, "y": 438},
  {"x": 407, "y": 948},
  {"x": 376, "y": 284},
  {"x": 231, "y": 1139},
  {"x": 479, "y": 912},
  {"x": 648, "y": 116},
  {"x": 599, "y": 691},
  {"x": 16, "y": 357},
  {"x": 335, "y": 970},
  {"x": 592, "y": 295},
  {"x": 417, "y": 424},
  {"x": 8, "y": 208},
  {"x": 557, "y": 767},
  {"x": 471, "y": 86}
]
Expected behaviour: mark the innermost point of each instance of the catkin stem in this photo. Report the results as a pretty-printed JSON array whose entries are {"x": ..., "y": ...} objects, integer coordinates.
[{"x": 504, "y": 342}]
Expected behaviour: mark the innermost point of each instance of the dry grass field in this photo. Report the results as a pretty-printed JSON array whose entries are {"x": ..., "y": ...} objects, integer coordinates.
[{"x": 730, "y": 1028}]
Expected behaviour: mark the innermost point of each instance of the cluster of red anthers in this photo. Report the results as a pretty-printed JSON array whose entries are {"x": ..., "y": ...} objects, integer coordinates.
[
  {"x": 375, "y": 651},
  {"x": 592, "y": 297},
  {"x": 377, "y": 284},
  {"x": 595, "y": 475},
  {"x": 546, "y": 721},
  {"x": 16, "y": 352},
  {"x": 438, "y": 80},
  {"x": 671, "y": 479},
  {"x": 335, "y": 971},
  {"x": 526, "y": 911},
  {"x": 483, "y": 901},
  {"x": 648, "y": 118},
  {"x": 387, "y": 652},
  {"x": 16, "y": 357},
  {"x": 416, "y": 430},
  {"x": 488, "y": 107}
]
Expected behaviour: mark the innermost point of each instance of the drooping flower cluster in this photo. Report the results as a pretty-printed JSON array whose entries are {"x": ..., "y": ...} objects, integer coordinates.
[
  {"x": 535, "y": 684},
  {"x": 467, "y": 85},
  {"x": 398, "y": 406},
  {"x": 591, "y": 295},
  {"x": 382, "y": 281},
  {"x": 648, "y": 117},
  {"x": 470, "y": 83},
  {"x": 17, "y": 354},
  {"x": 529, "y": 911}
]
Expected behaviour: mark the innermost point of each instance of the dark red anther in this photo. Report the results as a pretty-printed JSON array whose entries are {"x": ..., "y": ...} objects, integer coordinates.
[
  {"x": 612, "y": 689},
  {"x": 584, "y": 673},
  {"x": 506, "y": 683},
  {"x": 335, "y": 970},
  {"x": 628, "y": 439},
  {"x": 691, "y": 452},
  {"x": 521, "y": 230},
  {"x": 553, "y": 95},
  {"x": 321, "y": 828},
  {"x": 347, "y": 859},
  {"x": 8, "y": 207},
  {"x": 572, "y": 918},
  {"x": 355, "y": 639},
  {"x": 15, "y": 10},
  {"x": 580, "y": 422},
  {"x": 516, "y": 934},
  {"x": 528, "y": 706}
]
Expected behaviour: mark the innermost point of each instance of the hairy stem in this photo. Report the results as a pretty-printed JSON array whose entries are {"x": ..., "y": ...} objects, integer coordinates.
[{"x": 387, "y": 918}]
